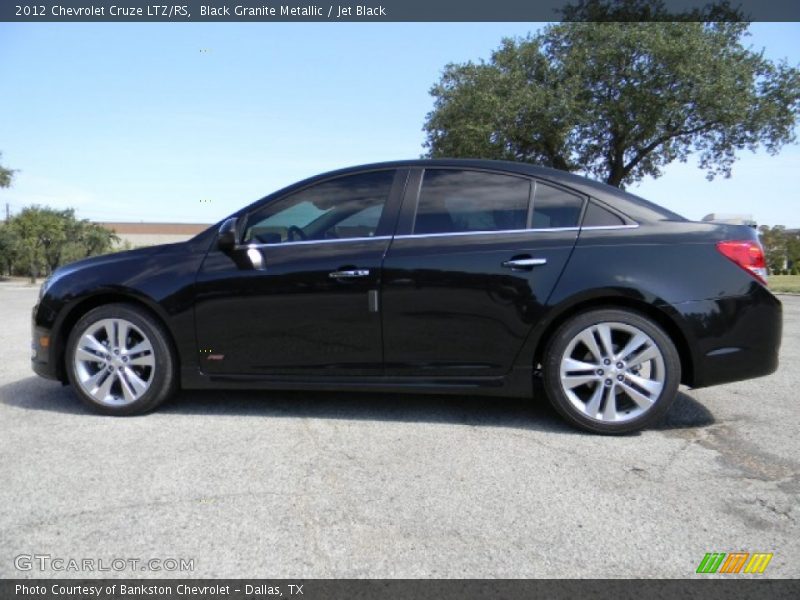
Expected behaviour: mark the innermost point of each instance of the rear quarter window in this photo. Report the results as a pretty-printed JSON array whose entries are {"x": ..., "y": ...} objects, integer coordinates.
[{"x": 598, "y": 216}]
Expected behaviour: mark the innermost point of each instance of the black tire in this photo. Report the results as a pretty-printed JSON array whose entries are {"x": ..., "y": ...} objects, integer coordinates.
[
  {"x": 162, "y": 374},
  {"x": 559, "y": 344}
]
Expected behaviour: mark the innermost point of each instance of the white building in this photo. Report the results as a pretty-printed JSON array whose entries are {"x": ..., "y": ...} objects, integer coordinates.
[
  {"x": 731, "y": 219},
  {"x": 150, "y": 234}
]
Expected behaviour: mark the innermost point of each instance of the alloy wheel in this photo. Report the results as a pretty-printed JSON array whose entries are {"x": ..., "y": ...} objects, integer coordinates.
[
  {"x": 612, "y": 372},
  {"x": 114, "y": 362}
]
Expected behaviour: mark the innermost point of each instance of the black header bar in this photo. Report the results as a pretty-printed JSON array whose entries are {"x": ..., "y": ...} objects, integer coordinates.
[{"x": 374, "y": 12}]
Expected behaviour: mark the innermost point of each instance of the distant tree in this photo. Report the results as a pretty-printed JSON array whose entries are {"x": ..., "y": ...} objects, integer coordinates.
[
  {"x": 617, "y": 101},
  {"x": 96, "y": 239},
  {"x": 9, "y": 248},
  {"x": 64, "y": 232},
  {"x": 34, "y": 227},
  {"x": 9, "y": 243},
  {"x": 6, "y": 175},
  {"x": 774, "y": 240},
  {"x": 38, "y": 229},
  {"x": 41, "y": 239},
  {"x": 793, "y": 250}
]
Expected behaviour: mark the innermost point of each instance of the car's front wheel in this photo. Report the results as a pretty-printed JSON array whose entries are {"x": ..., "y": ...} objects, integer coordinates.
[
  {"x": 611, "y": 371},
  {"x": 119, "y": 360}
]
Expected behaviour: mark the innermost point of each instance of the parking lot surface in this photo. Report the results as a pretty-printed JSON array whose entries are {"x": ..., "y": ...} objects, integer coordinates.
[{"x": 313, "y": 485}]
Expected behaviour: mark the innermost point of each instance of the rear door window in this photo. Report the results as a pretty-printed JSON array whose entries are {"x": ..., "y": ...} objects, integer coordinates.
[
  {"x": 554, "y": 207},
  {"x": 457, "y": 201}
]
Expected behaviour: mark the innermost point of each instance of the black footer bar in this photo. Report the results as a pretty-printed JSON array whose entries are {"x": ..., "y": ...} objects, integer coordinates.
[{"x": 380, "y": 589}]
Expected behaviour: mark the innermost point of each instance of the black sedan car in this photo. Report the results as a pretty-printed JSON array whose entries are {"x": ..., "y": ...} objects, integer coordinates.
[{"x": 436, "y": 276}]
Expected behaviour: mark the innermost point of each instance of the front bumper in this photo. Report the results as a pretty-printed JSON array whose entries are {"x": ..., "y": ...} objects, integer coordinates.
[
  {"x": 42, "y": 347},
  {"x": 732, "y": 338}
]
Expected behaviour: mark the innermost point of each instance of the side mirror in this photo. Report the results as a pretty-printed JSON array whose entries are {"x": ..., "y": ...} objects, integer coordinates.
[{"x": 226, "y": 238}]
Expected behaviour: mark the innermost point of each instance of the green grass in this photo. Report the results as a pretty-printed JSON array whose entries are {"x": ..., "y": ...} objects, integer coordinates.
[{"x": 784, "y": 283}]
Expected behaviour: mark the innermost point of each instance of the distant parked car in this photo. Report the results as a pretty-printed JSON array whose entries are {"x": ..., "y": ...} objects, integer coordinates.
[{"x": 454, "y": 276}]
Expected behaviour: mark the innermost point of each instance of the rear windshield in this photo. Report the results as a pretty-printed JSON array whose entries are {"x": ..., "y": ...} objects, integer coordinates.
[{"x": 664, "y": 213}]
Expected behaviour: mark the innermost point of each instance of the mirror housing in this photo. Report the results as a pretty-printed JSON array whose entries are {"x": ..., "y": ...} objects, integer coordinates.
[{"x": 226, "y": 237}]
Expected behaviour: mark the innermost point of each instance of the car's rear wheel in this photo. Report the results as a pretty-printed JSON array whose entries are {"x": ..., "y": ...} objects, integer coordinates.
[
  {"x": 119, "y": 360},
  {"x": 611, "y": 371}
]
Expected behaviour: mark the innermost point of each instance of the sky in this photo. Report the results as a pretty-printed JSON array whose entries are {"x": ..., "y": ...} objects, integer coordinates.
[{"x": 188, "y": 122}]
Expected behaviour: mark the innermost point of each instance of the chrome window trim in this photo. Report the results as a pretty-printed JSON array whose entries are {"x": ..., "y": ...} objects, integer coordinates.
[
  {"x": 436, "y": 235},
  {"x": 592, "y": 227},
  {"x": 498, "y": 232},
  {"x": 306, "y": 242}
]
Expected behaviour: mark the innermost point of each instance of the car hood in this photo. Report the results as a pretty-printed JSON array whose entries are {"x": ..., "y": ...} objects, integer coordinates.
[{"x": 113, "y": 257}]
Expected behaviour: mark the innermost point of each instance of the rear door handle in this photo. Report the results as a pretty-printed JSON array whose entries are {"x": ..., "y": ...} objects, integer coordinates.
[
  {"x": 523, "y": 263},
  {"x": 349, "y": 274}
]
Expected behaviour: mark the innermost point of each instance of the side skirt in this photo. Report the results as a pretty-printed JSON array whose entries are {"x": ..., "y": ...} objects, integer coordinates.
[{"x": 516, "y": 384}]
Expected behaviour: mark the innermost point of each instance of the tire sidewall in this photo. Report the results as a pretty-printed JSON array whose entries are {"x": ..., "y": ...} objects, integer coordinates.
[
  {"x": 551, "y": 369},
  {"x": 164, "y": 372}
]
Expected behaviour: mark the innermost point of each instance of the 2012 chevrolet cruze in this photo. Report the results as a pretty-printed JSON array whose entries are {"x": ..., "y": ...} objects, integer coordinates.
[{"x": 456, "y": 276}]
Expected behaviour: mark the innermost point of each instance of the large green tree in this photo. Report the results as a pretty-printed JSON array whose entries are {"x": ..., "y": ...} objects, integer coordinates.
[
  {"x": 617, "y": 101},
  {"x": 648, "y": 10}
]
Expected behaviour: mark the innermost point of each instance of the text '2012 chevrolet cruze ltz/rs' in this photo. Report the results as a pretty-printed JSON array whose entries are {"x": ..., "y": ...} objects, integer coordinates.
[{"x": 435, "y": 276}]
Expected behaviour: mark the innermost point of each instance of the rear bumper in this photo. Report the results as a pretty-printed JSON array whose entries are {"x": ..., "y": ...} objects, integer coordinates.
[{"x": 732, "y": 338}]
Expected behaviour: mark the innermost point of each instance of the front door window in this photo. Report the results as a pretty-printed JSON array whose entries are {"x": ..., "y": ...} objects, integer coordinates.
[{"x": 343, "y": 208}]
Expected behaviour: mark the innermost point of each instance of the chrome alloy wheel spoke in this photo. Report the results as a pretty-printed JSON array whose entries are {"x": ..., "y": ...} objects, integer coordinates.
[
  {"x": 114, "y": 362},
  {"x": 612, "y": 372}
]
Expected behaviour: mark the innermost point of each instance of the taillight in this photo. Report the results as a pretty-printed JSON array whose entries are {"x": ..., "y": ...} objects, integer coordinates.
[{"x": 748, "y": 254}]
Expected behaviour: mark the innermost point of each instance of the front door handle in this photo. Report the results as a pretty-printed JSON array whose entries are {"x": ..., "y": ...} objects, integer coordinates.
[
  {"x": 349, "y": 274},
  {"x": 523, "y": 263}
]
